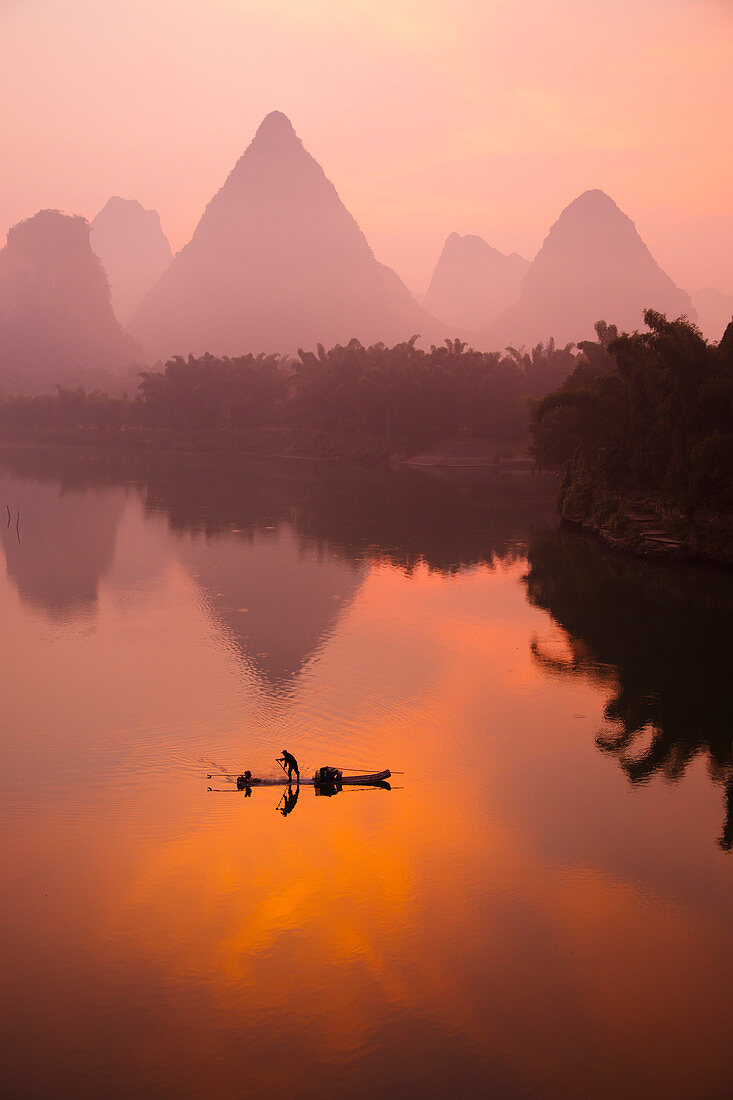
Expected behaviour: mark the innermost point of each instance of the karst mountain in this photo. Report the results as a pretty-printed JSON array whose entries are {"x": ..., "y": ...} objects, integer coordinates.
[
  {"x": 592, "y": 266},
  {"x": 276, "y": 263},
  {"x": 133, "y": 249},
  {"x": 473, "y": 282},
  {"x": 56, "y": 318},
  {"x": 714, "y": 312}
]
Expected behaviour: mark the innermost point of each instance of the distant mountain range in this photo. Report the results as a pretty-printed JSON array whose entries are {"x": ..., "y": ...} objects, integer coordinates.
[
  {"x": 592, "y": 266},
  {"x": 276, "y": 263},
  {"x": 133, "y": 249},
  {"x": 473, "y": 282},
  {"x": 56, "y": 319}
]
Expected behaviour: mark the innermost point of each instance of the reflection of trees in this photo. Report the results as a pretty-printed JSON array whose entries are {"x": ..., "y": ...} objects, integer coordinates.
[
  {"x": 657, "y": 636},
  {"x": 279, "y": 549},
  {"x": 400, "y": 515}
]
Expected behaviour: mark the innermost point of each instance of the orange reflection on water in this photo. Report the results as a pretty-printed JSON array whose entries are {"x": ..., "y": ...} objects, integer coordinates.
[{"x": 458, "y": 933}]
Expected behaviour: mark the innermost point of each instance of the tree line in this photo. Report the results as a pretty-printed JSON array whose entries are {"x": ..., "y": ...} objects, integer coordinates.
[
  {"x": 648, "y": 414},
  {"x": 401, "y": 392}
]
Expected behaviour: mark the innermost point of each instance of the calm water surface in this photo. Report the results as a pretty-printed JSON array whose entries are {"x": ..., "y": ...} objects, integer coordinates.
[{"x": 540, "y": 907}]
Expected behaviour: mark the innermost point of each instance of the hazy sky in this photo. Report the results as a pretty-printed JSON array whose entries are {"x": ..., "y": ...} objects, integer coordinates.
[{"x": 480, "y": 116}]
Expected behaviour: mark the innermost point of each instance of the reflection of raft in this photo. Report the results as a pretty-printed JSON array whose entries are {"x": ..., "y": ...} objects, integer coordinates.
[{"x": 327, "y": 777}]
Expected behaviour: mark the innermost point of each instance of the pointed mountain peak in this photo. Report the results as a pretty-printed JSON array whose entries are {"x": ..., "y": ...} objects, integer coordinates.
[
  {"x": 592, "y": 207},
  {"x": 594, "y": 199},
  {"x": 592, "y": 265},
  {"x": 277, "y": 262},
  {"x": 275, "y": 127},
  {"x": 275, "y": 148}
]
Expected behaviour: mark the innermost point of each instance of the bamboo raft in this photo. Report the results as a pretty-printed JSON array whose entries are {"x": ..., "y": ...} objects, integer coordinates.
[{"x": 318, "y": 781}]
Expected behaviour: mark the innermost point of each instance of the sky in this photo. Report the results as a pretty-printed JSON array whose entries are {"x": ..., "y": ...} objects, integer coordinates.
[{"x": 478, "y": 116}]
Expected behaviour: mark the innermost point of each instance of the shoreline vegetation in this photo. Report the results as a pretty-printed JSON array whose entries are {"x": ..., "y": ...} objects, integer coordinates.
[
  {"x": 375, "y": 403},
  {"x": 642, "y": 431},
  {"x": 639, "y": 426}
]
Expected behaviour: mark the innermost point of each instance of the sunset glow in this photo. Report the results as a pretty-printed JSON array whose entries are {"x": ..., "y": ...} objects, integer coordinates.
[
  {"x": 480, "y": 118},
  {"x": 366, "y": 533}
]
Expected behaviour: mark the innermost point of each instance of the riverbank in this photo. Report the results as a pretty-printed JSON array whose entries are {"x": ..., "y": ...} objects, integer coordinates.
[
  {"x": 642, "y": 527},
  {"x": 255, "y": 443},
  {"x": 294, "y": 443}
]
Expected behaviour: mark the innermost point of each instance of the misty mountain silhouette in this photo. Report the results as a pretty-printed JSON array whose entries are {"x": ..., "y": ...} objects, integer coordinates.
[
  {"x": 277, "y": 262},
  {"x": 277, "y": 596},
  {"x": 473, "y": 282},
  {"x": 593, "y": 265},
  {"x": 134, "y": 251},
  {"x": 714, "y": 312},
  {"x": 63, "y": 545},
  {"x": 56, "y": 318}
]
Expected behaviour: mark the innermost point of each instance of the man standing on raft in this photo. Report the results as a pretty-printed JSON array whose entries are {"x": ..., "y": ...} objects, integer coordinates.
[{"x": 288, "y": 761}]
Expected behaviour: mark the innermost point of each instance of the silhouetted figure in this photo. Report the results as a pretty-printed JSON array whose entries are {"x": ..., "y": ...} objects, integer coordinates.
[
  {"x": 289, "y": 799},
  {"x": 288, "y": 761},
  {"x": 244, "y": 783}
]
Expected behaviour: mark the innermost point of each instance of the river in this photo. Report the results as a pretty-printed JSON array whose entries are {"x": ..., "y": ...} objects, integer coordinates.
[{"x": 541, "y": 904}]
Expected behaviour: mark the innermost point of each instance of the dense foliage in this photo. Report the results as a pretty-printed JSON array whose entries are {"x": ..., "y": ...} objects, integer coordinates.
[
  {"x": 401, "y": 392},
  {"x": 648, "y": 414}
]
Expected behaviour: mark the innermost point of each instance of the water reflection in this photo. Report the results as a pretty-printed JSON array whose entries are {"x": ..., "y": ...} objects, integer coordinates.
[
  {"x": 278, "y": 597},
  {"x": 278, "y": 550},
  {"x": 402, "y": 517},
  {"x": 289, "y": 800},
  {"x": 62, "y": 544},
  {"x": 657, "y": 638},
  {"x": 511, "y": 921}
]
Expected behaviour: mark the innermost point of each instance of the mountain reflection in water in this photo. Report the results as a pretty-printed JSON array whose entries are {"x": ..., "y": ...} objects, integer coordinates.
[
  {"x": 62, "y": 545},
  {"x": 512, "y": 919},
  {"x": 278, "y": 549},
  {"x": 658, "y": 637}
]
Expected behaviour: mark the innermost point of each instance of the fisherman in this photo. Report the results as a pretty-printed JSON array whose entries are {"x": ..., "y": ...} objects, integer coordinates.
[
  {"x": 244, "y": 783},
  {"x": 288, "y": 761}
]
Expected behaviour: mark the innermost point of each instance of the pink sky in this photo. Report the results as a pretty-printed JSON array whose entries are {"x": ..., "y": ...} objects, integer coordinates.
[{"x": 479, "y": 116}]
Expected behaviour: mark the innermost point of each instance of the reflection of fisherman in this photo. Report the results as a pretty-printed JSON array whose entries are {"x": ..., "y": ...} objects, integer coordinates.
[
  {"x": 288, "y": 761},
  {"x": 289, "y": 799}
]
